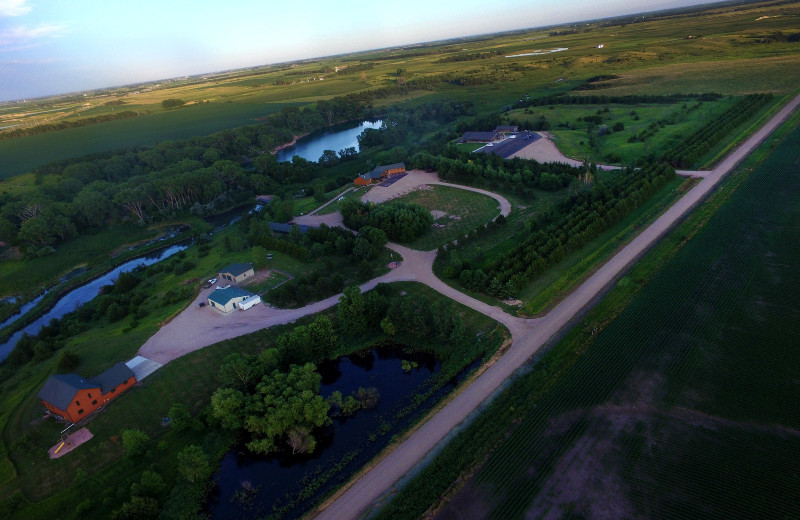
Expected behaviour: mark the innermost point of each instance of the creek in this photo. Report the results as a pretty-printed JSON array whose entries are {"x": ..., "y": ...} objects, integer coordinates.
[{"x": 85, "y": 293}]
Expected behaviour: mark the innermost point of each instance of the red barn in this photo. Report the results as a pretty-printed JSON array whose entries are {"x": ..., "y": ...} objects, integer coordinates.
[{"x": 74, "y": 398}]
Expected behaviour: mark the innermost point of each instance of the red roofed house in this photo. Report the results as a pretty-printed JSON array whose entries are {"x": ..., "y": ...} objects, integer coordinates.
[{"x": 74, "y": 398}]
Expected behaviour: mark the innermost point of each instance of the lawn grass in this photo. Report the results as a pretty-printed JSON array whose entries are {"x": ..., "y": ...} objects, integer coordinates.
[
  {"x": 264, "y": 286},
  {"x": 472, "y": 209},
  {"x": 614, "y": 148}
]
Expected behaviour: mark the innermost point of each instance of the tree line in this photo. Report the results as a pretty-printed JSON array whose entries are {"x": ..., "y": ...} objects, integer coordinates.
[
  {"x": 631, "y": 99},
  {"x": 550, "y": 237},
  {"x": 698, "y": 143},
  {"x": 477, "y": 169}
]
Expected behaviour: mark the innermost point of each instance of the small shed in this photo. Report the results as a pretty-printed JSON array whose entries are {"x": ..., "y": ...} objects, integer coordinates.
[
  {"x": 237, "y": 273},
  {"x": 507, "y": 129},
  {"x": 226, "y": 300},
  {"x": 75, "y": 398}
]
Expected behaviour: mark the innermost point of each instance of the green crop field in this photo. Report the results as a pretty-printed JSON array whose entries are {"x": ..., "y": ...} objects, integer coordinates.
[
  {"x": 685, "y": 406},
  {"x": 22, "y": 154}
]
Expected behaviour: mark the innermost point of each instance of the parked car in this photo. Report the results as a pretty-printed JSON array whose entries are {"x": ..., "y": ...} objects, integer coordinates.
[{"x": 212, "y": 281}]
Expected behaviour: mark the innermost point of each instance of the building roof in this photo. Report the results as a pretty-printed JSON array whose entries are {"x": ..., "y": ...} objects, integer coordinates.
[
  {"x": 286, "y": 228},
  {"x": 237, "y": 269},
  {"x": 479, "y": 136},
  {"x": 378, "y": 171},
  {"x": 224, "y": 296},
  {"x": 509, "y": 147},
  {"x": 113, "y": 377},
  {"x": 61, "y": 388}
]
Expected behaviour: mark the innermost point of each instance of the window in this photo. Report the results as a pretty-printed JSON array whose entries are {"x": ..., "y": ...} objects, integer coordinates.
[
  {"x": 78, "y": 403},
  {"x": 125, "y": 382},
  {"x": 113, "y": 390},
  {"x": 90, "y": 396},
  {"x": 94, "y": 402},
  {"x": 80, "y": 411}
]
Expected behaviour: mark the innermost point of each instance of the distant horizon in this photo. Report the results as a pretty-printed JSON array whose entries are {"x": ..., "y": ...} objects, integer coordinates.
[{"x": 37, "y": 50}]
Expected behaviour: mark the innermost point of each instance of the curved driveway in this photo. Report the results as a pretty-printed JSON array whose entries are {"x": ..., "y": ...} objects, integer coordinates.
[{"x": 379, "y": 480}]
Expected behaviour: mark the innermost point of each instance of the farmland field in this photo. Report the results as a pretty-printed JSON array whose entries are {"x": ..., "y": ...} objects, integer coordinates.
[
  {"x": 22, "y": 154},
  {"x": 685, "y": 405}
]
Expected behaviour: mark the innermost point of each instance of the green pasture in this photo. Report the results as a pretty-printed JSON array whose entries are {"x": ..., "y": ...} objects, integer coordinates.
[
  {"x": 655, "y": 56},
  {"x": 573, "y": 139},
  {"x": 465, "y": 211}
]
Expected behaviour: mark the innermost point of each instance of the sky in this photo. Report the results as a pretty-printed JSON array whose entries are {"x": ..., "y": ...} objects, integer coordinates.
[{"x": 54, "y": 46}]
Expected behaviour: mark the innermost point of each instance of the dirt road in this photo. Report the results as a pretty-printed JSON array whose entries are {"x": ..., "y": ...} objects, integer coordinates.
[{"x": 363, "y": 494}]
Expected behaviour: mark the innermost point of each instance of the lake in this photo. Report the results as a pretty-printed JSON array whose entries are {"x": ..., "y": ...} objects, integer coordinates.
[{"x": 336, "y": 138}]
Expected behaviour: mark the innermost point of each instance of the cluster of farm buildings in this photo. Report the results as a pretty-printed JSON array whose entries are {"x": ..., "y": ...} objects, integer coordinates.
[{"x": 73, "y": 398}]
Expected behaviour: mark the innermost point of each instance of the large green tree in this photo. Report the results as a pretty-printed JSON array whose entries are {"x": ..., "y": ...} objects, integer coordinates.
[{"x": 285, "y": 403}]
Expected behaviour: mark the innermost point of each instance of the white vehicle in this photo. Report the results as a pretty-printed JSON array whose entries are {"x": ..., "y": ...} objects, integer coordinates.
[
  {"x": 249, "y": 302},
  {"x": 212, "y": 281},
  {"x": 217, "y": 288}
]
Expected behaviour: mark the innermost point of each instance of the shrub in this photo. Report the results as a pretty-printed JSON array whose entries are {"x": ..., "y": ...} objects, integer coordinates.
[{"x": 135, "y": 442}]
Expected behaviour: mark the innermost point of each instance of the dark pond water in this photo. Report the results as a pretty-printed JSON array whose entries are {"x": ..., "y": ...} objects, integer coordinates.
[
  {"x": 336, "y": 138},
  {"x": 276, "y": 480},
  {"x": 77, "y": 297}
]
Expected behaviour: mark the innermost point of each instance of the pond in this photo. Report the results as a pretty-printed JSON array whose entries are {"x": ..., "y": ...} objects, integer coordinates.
[
  {"x": 336, "y": 138},
  {"x": 84, "y": 293},
  {"x": 250, "y": 486}
]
